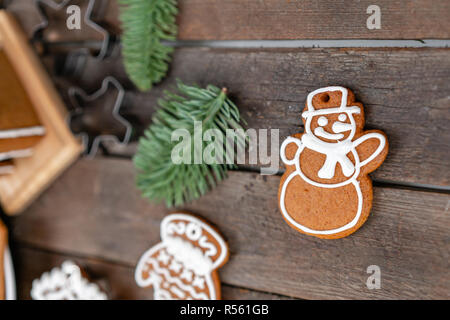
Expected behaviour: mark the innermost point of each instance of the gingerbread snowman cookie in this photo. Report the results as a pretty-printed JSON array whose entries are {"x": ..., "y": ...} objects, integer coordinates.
[
  {"x": 183, "y": 266},
  {"x": 326, "y": 191}
]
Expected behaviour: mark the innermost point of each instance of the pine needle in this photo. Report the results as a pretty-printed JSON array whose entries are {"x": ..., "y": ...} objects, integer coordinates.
[
  {"x": 159, "y": 178},
  {"x": 145, "y": 23}
]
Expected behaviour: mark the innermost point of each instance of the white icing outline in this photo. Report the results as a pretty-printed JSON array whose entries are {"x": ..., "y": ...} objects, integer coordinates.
[
  {"x": 319, "y": 131},
  {"x": 22, "y": 132},
  {"x": 321, "y": 146},
  {"x": 322, "y": 121},
  {"x": 65, "y": 283},
  {"x": 202, "y": 266},
  {"x": 10, "y": 280},
  {"x": 22, "y": 153}
]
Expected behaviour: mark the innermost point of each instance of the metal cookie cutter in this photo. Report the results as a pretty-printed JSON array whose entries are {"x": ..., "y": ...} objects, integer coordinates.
[
  {"x": 75, "y": 94},
  {"x": 87, "y": 19}
]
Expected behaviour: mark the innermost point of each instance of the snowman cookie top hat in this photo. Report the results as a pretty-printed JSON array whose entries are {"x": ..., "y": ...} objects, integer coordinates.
[
  {"x": 327, "y": 110},
  {"x": 183, "y": 265},
  {"x": 325, "y": 191}
]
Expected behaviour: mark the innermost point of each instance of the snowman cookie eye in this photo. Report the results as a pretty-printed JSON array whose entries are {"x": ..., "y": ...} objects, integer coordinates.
[
  {"x": 322, "y": 121},
  {"x": 342, "y": 117}
]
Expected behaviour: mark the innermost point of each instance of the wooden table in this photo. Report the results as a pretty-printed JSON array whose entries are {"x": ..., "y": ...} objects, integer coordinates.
[{"x": 94, "y": 215}]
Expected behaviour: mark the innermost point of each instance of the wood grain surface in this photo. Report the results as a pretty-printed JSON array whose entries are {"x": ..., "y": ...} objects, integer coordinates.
[
  {"x": 271, "y": 19},
  {"x": 405, "y": 92},
  {"x": 116, "y": 279},
  {"x": 94, "y": 210}
]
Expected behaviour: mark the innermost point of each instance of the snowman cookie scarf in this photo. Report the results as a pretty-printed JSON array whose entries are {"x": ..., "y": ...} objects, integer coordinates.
[
  {"x": 326, "y": 191},
  {"x": 184, "y": 265}
]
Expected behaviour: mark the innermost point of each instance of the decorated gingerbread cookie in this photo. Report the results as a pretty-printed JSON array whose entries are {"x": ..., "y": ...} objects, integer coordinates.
[
  {"x": 67, "y": 282},
  {"x": 326, "y": 191},
  {"x": 183, "y": 266}
]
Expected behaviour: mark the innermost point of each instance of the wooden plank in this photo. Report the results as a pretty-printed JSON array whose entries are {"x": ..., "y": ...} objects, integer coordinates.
[
  {"x": 406, "y": 94},
  {"x": 407, "y": 234},
  {"x": 272, "y": 19},
  {"x": 117, "y": 279}
]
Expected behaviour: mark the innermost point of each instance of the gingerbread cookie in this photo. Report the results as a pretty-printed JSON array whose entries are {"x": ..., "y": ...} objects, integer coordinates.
[
  {"x": 184, "y": 265},
  {"x": 66, "y": 283},
  {"x": 326, "y": 191}
]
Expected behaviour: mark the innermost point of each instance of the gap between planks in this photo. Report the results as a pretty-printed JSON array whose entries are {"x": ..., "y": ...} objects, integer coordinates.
[{"x": 243, "y": 44}]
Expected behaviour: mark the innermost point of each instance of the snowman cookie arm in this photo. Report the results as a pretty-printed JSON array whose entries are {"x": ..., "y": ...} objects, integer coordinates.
[
  {"x": 372, "y": 147},
  {"x": 290, "y": 147}
]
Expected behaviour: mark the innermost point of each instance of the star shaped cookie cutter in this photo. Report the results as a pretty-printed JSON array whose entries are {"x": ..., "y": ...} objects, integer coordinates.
[
  {"x": 87, "y": 19},
  {"x": 73, "y": 92}
]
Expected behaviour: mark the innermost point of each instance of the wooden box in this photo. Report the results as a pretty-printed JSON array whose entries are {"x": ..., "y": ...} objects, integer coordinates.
[{"x": 58, "y": 149}]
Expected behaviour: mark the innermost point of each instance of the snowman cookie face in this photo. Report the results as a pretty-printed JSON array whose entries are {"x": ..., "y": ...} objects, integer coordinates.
[
  {"x": 333, "y": 121},
  {"x": 325, "y": 191},
  {"x": 183, "y": 266}
]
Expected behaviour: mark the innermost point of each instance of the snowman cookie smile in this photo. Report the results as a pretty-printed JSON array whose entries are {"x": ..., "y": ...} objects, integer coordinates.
[
  {"x": 325, "y": 191},
  {"x": 338, "y": 127},
  {"x": 320, "y": 132}
]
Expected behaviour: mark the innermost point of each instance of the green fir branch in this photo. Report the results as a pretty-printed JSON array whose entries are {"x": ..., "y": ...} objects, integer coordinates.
[
  {"x": 159, "y": 178},
  {"x": 145, "y": 23}
]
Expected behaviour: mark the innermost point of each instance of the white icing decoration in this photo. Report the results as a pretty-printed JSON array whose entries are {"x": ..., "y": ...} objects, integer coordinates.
[
  {"x": 178, "y": 228},
  {"x": 155, "y": 280},
  {"x": 190, "y": 262},
  {"x": 320, "y": 132},
  {"x": 65, "y": 283},
  {"x": 175, "y": 266},
  {"x": 342, "y": 117},
  {"x": 341, "y": 126},
  {"x": 9, "y": 277},
  {"x": 193, "y": 231},
  {"x": 199, "y": 282},
  {"x": 335, "y": 152},
  {"x": 323, "y": 121},
  {"x": 211, "y": 250},
  {"x": 22, "y": 153},
  {"x": 191, "y": 257},
  {"x": 186, "y": 275},
  {"x": 163, "y": 257},
  {"x": 22, "y": 132},
  {"x": 180, "y": 294}
]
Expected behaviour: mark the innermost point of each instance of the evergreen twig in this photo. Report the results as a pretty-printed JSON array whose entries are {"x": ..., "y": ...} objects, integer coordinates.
[
  {"x": 159, "y": 178},
  {"x": 145, "y": 23}
]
